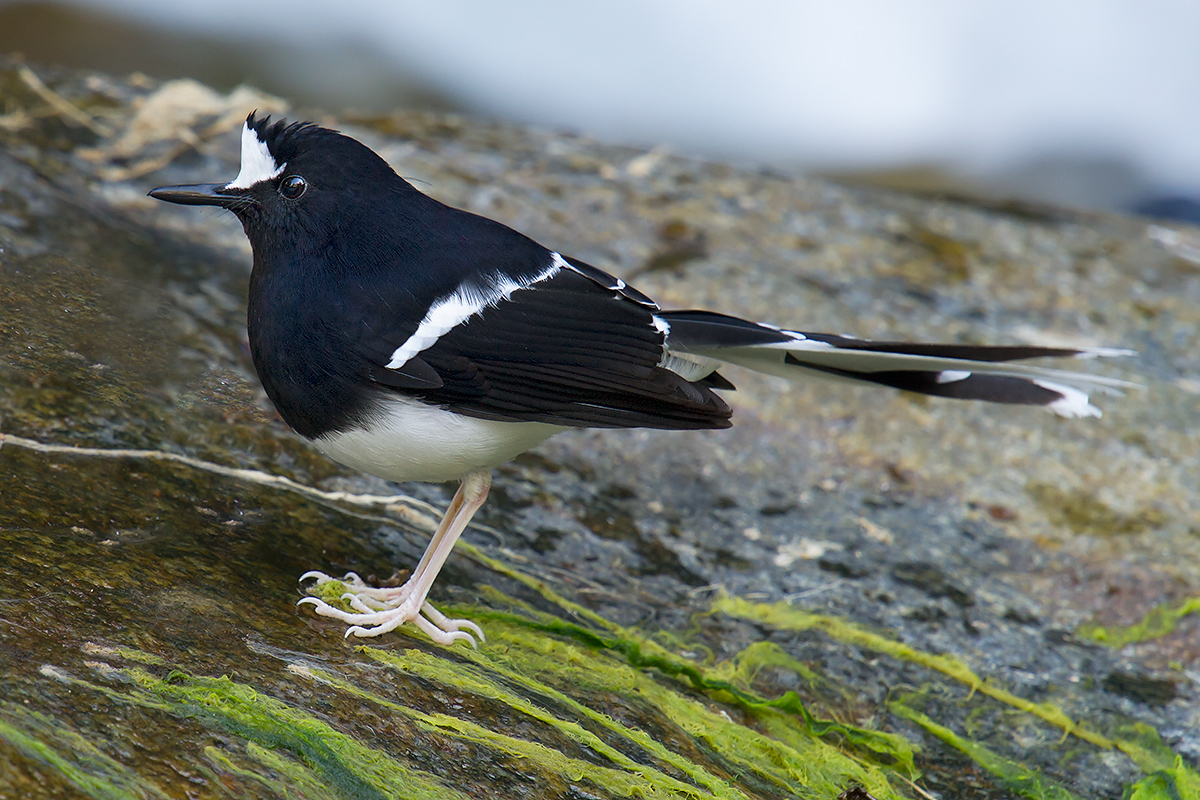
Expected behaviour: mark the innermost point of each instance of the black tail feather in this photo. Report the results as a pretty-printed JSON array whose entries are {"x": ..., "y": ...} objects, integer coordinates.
[{"x": 965, "y": 372}]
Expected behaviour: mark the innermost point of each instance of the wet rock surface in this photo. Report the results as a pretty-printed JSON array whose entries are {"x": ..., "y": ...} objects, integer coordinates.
[{"x": 1007, "y": 591}]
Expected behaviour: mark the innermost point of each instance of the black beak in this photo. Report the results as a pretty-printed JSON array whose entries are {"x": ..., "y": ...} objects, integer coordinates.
[{"x": 199, "y": 194}]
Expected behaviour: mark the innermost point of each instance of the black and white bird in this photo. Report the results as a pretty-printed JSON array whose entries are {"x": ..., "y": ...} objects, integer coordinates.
[{"x": 419, "y": 342}]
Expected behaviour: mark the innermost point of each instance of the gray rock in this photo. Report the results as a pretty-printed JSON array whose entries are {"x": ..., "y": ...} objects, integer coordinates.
[{"x": 946, "y": 576}]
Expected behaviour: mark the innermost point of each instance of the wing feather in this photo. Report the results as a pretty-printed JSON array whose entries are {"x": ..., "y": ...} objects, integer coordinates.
[{"x": 570, "y": 351}]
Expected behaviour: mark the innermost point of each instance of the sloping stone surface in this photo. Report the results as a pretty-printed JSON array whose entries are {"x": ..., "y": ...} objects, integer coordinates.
[{"x": 963, "y": 578}]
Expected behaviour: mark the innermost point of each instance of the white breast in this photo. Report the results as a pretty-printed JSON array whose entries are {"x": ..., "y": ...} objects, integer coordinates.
[{"x": 410, "y": 441}]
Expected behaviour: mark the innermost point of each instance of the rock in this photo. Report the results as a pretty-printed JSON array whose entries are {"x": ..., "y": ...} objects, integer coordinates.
[{"x": 789, "y": 608}]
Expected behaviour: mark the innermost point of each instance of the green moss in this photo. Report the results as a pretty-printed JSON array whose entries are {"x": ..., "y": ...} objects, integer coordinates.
[
  {"x": 1158, "y": 622},
  {"x": 642, "y": 653},
  {"x": 277, "y": 774},
  {"x": 625, "y": 779},
  {"x": 304, "y": 782},
  {"x": 303, "y": 756},
  {"x": 337, "y": 761},
  {"x": 1085, "y": 513},
  {"x": 951, "y": 262},
  {"x": 1176, "y": 783},
  {"x": 73, "y": 756},
  {"x": 1139, "y": 742},
  {"x": 469, "y": 677},
  {"x": 331, "y": 592},
  {"x": 224, "y": 763},
  {"x": 794, "y": 758},
  {"x": 1168, "y": 777},
  {"x": 785, "y": 617},
  {"x": 1016, "y": 777},
  {"x": 687, "y": 729}
]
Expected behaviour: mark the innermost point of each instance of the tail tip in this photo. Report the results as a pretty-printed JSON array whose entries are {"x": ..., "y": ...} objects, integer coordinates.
[
  {"x": 1105, "y": 352},
  {"x": 1072, "y": 403}
]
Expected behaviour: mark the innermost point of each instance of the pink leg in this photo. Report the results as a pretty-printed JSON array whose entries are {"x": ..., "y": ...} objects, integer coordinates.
[{"x": 378, "y": 611}]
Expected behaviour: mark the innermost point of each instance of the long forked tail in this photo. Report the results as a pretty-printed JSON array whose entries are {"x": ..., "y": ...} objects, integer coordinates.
[{"x": 697, "y": 341}]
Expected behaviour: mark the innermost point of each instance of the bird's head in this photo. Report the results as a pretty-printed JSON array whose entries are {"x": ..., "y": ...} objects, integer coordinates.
[{"x": 296, "y": 181}]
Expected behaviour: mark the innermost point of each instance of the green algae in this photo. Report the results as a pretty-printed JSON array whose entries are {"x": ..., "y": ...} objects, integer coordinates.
[
  {"x": 521, "y": 663},
  {"x": 1085, "y": 513},
  {"x": 538, "y": 585},
  {"x": 537, "y": 665},
  {"x": 1016, "y": 777},
  {"x": 625, "y": 780},
  {"x": 540, "y": 667},
  {"x": 730, "y": 679},
  {"x": 222, "y": 762},
  {"x": 1168, "y": 777},
  {"x": 469, "y": 677},
  {"x": 336, "y": 758},
  {"x": 1143, "y": 744},
  {"x": 795, "y": 759},
  {"x": 759, "y": 656},
  {"x": 792, "y": 758},
  {"x": 315, "y": 760},
  {"x": 1158, "y": 622},
  {"x": 643, "y": 653},
  {"x": 1175, "y": 783},
  {"x": 318, "y": 761},
  {"x": 281, "y": 776},
  {"x": 127, "y": 653},
  {"x": 786, "y": 715},
  {"x": 73, "y": 756},
  {"x": 338, "y": 761},
  {"x": 784, "y": 617},
  {"x": 304, "y": 782},
  {"x": 1139, "y": 742}
]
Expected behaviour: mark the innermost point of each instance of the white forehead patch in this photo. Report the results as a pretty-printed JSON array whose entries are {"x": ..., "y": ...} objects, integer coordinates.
[{"x": 257, "y": 163}]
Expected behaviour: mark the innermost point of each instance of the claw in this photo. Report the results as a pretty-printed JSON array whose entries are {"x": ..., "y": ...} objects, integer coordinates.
[
  {"x": 439, "y": 632},
  {"x": 320, "y": 577}
]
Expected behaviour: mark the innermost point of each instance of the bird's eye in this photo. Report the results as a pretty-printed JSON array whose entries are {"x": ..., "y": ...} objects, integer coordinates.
[{"x": 292, "y": 187}]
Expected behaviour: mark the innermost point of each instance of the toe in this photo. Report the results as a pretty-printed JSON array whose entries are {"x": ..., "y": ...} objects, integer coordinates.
[
  {"x": 317, "y": 575},
  {"x": 442, "y": 636}
]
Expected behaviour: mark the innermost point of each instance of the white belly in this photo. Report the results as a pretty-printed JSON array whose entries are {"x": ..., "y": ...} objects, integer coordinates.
[{"x": 410, "y": 441}]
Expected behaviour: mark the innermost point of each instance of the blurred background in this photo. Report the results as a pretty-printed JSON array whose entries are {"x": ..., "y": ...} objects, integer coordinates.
[{"x": 1092, "y": 104}]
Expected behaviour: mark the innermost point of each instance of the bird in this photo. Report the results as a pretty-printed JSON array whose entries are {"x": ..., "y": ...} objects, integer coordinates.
[{"x": 415, "y": 341}]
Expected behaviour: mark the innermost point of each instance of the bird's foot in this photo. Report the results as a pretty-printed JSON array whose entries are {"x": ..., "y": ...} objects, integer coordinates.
[
  {"x": 376, "y": 610},
  {"x": 361, "y": 595}
]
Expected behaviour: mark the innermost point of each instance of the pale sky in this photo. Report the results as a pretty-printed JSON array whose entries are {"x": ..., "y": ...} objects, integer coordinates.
[{"x": 851, "y": 84}]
